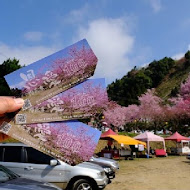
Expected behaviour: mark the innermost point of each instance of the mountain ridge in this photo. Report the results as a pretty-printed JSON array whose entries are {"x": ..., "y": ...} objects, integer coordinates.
[{"x": 164, "y": 75}]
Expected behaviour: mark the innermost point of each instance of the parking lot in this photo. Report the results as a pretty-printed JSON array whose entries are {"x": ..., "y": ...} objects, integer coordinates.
[{"x": 170, "y": 173}]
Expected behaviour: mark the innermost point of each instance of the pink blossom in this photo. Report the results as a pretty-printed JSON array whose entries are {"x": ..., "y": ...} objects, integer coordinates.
[{"x": 150, "y": 106}]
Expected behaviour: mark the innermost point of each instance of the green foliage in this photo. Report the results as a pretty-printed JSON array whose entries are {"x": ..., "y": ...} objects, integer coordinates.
[
  {"x": 127, "y": 134},
  {"x": 165, "y": 76},
  {"x": 157, "y": 70},
  {"x": 7, "y": 67},
  {"x": 174, "y": 91},
  {"x": 126, "y": 90},
  {"x": 187, "y": 55},
  {"x": 171, "y": 83}
]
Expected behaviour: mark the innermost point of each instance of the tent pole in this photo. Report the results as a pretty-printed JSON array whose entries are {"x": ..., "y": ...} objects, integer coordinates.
[
  {"x": 148, "y": 147},
  {"x": 164, "y": 145}
]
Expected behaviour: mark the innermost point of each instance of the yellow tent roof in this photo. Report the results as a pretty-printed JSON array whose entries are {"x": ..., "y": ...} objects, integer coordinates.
[{"x": 126, "y": 140}]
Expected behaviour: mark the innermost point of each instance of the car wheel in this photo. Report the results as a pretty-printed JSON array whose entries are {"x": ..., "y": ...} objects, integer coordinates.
[{"x": 83, "y": 184}]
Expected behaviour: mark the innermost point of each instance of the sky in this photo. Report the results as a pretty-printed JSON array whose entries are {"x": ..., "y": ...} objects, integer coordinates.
[{"x": 122, "y": 33}]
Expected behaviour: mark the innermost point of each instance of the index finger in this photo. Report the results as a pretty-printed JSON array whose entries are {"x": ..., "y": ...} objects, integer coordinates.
[{"x": 9, "y": 104}]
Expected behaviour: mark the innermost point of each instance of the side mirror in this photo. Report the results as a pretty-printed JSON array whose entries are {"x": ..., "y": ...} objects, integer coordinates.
[{"x": 53, "y": 162}]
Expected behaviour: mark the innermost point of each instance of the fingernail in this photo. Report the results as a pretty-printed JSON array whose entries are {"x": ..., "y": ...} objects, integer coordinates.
[{"x": 19, "y": 101}]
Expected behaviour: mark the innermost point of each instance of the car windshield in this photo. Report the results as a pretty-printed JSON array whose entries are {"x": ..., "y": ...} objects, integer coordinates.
[{"x": 6, "y": 174}]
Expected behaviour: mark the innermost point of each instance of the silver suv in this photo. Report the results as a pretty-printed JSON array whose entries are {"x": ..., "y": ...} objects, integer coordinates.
[
  {"x": 33, "y": 164},
  {"x": 112, "y": 163},
  {"x": 11, "y": 181}
]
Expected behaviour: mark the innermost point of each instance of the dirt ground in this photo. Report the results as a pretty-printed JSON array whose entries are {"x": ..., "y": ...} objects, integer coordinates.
[{"x": 164, "y": 173}]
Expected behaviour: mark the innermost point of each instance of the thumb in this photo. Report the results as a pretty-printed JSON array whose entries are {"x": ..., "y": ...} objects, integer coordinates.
[{"x": 8, "y": 104}]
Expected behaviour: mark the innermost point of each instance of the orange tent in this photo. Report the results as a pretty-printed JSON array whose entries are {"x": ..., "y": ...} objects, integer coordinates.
[{"x": 121, "y": 139}]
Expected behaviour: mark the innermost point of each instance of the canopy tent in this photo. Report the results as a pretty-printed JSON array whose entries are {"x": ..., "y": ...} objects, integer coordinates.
[
  {"x": 104, "y": 123},
  {"x": 107, "y": 133},
  {"x": 182, "y": 144},
  {"x": 149, "y": 136},
  {"x": 177, "y": 137},
  {"x": 122, "y": 139}
]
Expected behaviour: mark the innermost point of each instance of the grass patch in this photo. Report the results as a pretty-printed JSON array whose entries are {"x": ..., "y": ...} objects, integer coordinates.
[{"x": 128, "y": 134}]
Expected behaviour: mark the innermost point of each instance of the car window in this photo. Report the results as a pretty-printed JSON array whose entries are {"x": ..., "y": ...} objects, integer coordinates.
[
  {"x": 37, "y": 157},
  {"x": 11, "y": 154}
]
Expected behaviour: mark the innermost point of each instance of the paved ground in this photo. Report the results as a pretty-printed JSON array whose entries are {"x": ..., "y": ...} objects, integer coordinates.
[{"x": 170, "y": 173}]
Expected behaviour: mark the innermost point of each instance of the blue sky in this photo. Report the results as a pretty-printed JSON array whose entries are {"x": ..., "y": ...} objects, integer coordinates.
[{"x": 122, "y": 33}]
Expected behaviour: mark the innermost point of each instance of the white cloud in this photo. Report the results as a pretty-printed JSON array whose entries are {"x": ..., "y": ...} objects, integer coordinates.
[
  {"x": 156, "y": 5},
  {"x": 33, "y": 36},
  {"x": 112, "y": 43},
  {"x": 76, "y": 16},
  {"x": 178, "y": 56},
  {"x": 24, "y": 54}
]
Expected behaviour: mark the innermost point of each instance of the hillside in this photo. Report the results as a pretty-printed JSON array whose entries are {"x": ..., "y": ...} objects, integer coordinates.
[
  {"x": 164, "y": 75},
  {"x": 171, "y": 83}
]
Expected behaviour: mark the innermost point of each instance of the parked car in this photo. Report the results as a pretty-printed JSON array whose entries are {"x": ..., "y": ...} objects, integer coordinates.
[
  {"x": 11, "y": 181},
  {"x": 109, "y": 171},
  {"x": 33, "y": 164},
  {"x": 113, "y": 163}
]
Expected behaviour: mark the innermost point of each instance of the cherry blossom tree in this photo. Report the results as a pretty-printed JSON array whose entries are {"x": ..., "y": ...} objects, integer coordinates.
[
  {"x": 119, "y": 115},
  {"x": 180, "y": 105},
  {"x": 151, "y": 109},
  {"x": 150, "y": 106},
  {"x": 79, "y": 63},
  {"x": 178, "y": 110},
  {"x": 185, "y": 89},
  {"x": 88, "y": 99},
  {"x": 132, "y": 113},
  {"x": 115, "y": 114},
  {"x": 74, "y": 145}
]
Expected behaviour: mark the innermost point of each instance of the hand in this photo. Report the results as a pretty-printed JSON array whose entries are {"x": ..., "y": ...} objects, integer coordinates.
[{"x": 9, "y": 104}]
